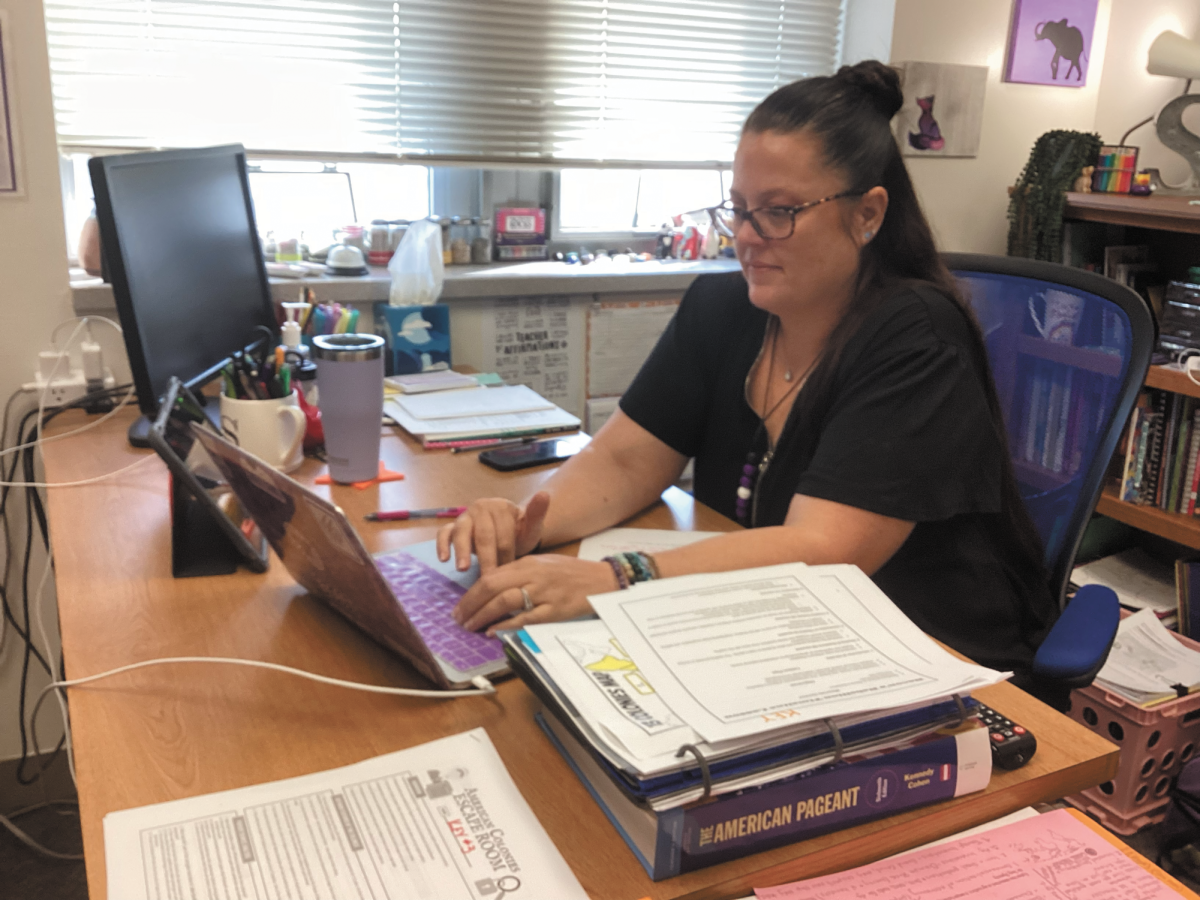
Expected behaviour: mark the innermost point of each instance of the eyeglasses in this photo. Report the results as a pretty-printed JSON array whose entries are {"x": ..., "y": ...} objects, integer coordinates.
[{"x": 773, "y": 223}]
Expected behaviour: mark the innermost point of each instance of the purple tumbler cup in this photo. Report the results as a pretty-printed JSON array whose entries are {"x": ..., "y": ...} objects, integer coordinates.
[{"x": 350, "y": 394}]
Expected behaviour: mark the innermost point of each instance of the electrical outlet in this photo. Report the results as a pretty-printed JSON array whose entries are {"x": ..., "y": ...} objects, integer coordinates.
[{"x": 63, "y": 389}]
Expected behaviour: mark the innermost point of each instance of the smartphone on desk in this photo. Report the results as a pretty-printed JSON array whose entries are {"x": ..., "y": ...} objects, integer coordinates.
[{"x": 525, "y": 456}]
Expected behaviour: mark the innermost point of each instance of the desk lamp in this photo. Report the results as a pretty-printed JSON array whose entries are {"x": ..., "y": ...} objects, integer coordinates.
[{"x": 1175, "y": 56}]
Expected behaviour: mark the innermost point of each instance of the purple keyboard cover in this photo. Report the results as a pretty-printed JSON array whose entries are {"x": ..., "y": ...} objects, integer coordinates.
[{"x": 428, "y": 596}]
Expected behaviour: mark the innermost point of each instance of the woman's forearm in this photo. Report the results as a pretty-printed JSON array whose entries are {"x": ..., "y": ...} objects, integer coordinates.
[
  {"x": 623, "y": 470},
  {"x": 816, "y": 532}
]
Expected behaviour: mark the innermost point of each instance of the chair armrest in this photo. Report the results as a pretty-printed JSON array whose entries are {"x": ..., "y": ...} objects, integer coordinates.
[{"x": 1078, "y": 644}]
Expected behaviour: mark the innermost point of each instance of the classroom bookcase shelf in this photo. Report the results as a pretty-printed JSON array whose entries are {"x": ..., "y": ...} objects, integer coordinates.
[
  {"x": 1158, "y": 213},
  {"x": 1172, "y": 526},
  {"x": 1168, "y": 378},
  {"x": 1170, "y": 224}
]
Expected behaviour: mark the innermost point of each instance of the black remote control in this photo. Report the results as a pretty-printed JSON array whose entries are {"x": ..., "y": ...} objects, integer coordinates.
[{"x": 1012, "y": 745}]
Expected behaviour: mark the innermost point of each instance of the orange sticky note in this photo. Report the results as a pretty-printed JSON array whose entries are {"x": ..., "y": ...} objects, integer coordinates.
[{"x": 385, "y": 474}]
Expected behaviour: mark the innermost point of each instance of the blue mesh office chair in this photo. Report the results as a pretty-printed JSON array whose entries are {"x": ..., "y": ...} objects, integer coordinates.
[{"x": 1069, "y": 351}]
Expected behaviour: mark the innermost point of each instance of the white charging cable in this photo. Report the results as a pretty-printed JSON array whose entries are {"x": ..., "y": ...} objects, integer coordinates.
[
  {"x": 483, "y": 687},
  {"x": 1190, "y": 361}
]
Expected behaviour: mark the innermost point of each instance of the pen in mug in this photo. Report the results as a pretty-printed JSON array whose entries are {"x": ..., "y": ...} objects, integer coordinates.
[{"x": 444, "y": 512}]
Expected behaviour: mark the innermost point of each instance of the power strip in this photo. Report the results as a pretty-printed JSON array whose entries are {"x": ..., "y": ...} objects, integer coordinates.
[{"x": 61, "y": 383}]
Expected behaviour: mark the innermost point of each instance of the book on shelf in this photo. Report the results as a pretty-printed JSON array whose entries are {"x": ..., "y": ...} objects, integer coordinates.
[
  {"x": 1161, "y": 465},
  {"x": 860, "y": 787},
  {"x": 1187, "y": 596}
]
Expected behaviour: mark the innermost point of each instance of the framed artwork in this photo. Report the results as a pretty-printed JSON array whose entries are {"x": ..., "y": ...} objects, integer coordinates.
[
  {"x": 942, "y": 113},
  {"x": 1051, "y": 42},
  {"x": 10, "y": 182}
]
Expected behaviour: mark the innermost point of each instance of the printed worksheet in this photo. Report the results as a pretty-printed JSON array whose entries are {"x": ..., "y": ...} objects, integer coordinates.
[
  {"x": 441, "y": 821},
  {"x": 1055, "y": 855},
  {"x": 738, "y": 653}
]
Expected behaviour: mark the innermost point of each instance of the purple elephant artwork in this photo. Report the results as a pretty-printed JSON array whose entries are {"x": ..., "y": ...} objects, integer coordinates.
[
  {"x": 928, "y": 136},
  {"x": 1051, "y": 42}
]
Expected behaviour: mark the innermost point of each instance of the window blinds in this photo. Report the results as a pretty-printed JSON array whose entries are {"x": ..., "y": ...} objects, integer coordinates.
[{"x": 660, "y": 81}]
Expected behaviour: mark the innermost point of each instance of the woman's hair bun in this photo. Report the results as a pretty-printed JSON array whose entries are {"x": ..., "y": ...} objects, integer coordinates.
[{"x": 880, "y": 83}]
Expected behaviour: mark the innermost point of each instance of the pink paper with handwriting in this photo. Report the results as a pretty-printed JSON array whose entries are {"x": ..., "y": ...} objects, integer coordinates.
[{"x": 1049, "y": 856}]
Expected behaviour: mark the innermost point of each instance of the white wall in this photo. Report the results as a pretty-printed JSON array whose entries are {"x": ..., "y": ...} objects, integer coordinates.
[
  {"x": 966, "y": 199},
  {"x": 33, "y": 288},
  {"x": 1128, "y": 93}
]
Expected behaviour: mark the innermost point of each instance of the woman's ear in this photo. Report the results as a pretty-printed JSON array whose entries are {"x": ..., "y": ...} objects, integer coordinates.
[{"x": 868, "y": 214}]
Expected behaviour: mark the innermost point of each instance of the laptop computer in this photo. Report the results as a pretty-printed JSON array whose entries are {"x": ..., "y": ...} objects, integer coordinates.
[{"x": 402, "y": 598}]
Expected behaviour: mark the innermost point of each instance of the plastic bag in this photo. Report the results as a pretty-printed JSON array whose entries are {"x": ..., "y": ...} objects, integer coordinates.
[{"x": 416, "y": 267}]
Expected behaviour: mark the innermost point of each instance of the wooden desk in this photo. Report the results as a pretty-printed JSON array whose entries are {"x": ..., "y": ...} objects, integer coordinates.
[{"x": 176, "y": 731}]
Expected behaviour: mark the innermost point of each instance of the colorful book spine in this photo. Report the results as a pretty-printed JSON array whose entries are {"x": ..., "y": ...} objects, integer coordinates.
[
  {"x": 1064, "y": 419},
  {"x": 1131, "y": 481},
  {"x": 1053, "y": 406},
  {"x": 1187, "y": 502},
  {"x": 1187, "y": 596},
  {"x": 1157, "y": 401},
  {"x": 1183, "y": 434}
]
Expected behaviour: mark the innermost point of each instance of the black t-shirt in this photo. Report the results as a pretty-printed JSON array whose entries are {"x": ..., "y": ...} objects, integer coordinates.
[{"x": 904, "y": 430}]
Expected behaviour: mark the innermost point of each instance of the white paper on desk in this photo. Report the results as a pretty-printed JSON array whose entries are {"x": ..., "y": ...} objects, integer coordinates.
[
  {"x": 511, "y": 422},
  {"x": 648, "y": 540},
  {"x": 440, "y": 821},
  {"x": 1048, "y": 856},
  {"x": 1146, "y": 659},
  {"x": 738, "y": 653},
  {"x": 479, "y": 401},
  {"x": 1139, "y": 579}
]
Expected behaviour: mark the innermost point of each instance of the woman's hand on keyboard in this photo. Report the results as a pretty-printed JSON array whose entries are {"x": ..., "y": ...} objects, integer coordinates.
[
  {"x": 557, "y": 588},
  {"x": 496, "y": 530}
]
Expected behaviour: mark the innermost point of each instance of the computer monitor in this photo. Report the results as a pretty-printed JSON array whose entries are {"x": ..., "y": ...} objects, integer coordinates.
[{"x": 183, "y": 254}]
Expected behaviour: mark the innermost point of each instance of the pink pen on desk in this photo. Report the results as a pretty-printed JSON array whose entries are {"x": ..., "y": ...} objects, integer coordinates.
[{"x": 442, "y": 512}]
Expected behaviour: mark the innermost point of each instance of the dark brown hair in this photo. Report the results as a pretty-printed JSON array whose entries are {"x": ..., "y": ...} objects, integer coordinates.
[{"x": 850, "y": 114}]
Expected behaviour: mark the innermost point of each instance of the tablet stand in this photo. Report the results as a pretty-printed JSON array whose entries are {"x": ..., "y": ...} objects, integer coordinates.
[{"x": 198, "y": 545}]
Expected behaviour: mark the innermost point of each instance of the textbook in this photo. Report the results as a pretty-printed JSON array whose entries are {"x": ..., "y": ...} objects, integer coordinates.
[
  {"x": 948, "y": 763},
  {"x": 476, "y": 413}
]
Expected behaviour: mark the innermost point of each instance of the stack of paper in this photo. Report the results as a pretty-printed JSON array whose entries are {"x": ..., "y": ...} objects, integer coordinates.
[
  {"x": 1140, "y": 580},
  {"x": 1148, "y": 664},
  {"x": 480, "y": 412},
  {"x": 747, "y": 667}
]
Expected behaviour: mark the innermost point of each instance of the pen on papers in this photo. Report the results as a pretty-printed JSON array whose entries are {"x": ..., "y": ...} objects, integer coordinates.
[
  {"x": 468, "y": 446},
  {"x": 443, "y": 512}
]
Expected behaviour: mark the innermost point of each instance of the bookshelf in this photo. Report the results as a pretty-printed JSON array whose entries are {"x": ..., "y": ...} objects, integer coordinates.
[{"x": 1171, "y": 226}]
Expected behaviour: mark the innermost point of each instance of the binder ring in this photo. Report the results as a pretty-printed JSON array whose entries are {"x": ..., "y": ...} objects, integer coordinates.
[
  {"x": 962, "y": 709},
  {"x": 705, "y": 774},
  {"x": 839, "y": 746}
]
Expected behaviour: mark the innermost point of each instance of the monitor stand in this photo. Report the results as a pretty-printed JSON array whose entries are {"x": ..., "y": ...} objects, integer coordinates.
[{"x": 138, "y": 433}]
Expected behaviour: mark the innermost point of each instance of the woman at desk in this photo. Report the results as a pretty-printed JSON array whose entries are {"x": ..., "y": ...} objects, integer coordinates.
[{"x": 835, "y": 395}]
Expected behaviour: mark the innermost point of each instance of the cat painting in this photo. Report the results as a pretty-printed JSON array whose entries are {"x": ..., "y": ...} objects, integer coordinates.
[{"x": 930, "y": 136}]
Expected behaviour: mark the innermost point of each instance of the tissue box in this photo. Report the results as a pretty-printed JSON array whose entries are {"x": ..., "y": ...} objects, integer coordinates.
[{"x": 418, "y": 337}]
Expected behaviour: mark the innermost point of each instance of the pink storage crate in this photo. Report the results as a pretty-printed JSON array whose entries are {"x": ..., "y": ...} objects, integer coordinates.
[{"x": 1155, "y": 743}]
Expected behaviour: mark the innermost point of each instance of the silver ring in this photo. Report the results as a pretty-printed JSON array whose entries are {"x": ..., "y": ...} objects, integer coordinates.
[{"x": 526, "y": 601}]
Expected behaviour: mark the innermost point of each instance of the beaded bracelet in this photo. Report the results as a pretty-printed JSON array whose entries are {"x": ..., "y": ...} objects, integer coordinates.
[
  {"x": 622, "y": 578},
  {"x": 633, "y": 567}
]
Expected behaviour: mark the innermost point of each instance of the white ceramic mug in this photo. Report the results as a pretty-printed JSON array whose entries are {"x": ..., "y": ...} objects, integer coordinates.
[
  {"x": 273, "y": 430},
  {"x": 1061, "y": 320}
]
